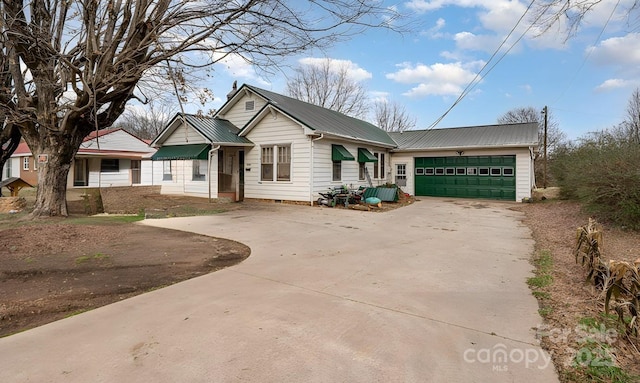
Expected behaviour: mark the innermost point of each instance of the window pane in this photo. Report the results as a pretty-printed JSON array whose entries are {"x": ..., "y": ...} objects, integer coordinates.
[
  {"x": 420, "y": 171},
  {"x": 450, "y": 171},
  {"x": 267, "y": 172},
  {"x": 198, "y": 170},
  {"x": 376, "y": 165},
  {"x": 110, "y": 165},
  {"x": 166, "y": 171},
  {"x": 25, "y": 163},
  {"x": 507, "y": 172},
  {"x": 381, "y": 162},
  {"x": 483, "y": 171},
  {"x": 429, "y": 171},
  {"x": 496, "y": 171},
  {"x": 337, "y": 170},
  {"x": 284, "y": 163},
  {"x": 361, "y": 168},
  {"x": 439, "y": 171},
  {"x": 472, "y": 171},
  {"x": 461, "y": 171}
]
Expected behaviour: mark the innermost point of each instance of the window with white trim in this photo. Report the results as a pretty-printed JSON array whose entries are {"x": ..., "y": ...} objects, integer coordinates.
[
  {"x": 109, "y": 165},
  {"x": 284, "y": 163},
  {"x": 8, "y": 166},
  {"x": 362, "y": 167},
  {"x": 337, "y": 170},
  {"x": 198, "y": 174},
  {"x": 278, "y": 155},
  {"x": 166, "y": 171},
  {"x": 401, "y": 174},
  {"x": 25, "y": 163},
  {"x": 378, "y": 167}
]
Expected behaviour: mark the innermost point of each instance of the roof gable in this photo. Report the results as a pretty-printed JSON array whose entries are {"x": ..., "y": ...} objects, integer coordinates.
[
  {"x": 505, "y": 135},
  {"x": 214, "y": 130},
  {"x": 318, "y": 119}
]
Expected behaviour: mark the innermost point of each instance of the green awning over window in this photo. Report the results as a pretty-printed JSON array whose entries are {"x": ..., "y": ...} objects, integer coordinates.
[
  {"x": 182, "y": 152},
  {"x": 340, "y": 153},
  {"x": 365, "y": 156}
]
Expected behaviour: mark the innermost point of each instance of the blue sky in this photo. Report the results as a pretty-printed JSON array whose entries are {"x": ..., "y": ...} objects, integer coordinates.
[{"x": 586, "y": 81}]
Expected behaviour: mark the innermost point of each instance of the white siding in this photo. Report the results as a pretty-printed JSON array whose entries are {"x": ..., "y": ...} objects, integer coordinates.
[
  {"x": 117, "y": 140},
  {"x": 146, "y": 172},
  {"x": 182, "y": 182},
  {"x": 237, "y": 113},
  {"x": 12, "y": 166},
  {"x": 109, "y": 179},
  {"x": 524, "y": 166},
  {"x": 184, "y": 135},
  {"x": 323, "y": 167},
  {"x": 278, "y": 130}
]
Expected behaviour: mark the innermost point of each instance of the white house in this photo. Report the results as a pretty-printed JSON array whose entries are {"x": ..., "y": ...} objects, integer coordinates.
[
  {"x": 263, "y": 145},
  {"x": 107, "y": 157}
]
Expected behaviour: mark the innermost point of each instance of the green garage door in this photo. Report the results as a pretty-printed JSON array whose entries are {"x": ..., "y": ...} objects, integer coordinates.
[{"x": 492, "y": 177}]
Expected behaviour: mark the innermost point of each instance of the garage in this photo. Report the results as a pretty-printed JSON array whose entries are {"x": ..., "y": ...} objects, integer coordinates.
[{"x": 491, "y": 177}]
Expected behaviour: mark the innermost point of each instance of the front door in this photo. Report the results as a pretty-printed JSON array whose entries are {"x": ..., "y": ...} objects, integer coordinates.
[
  {"x": 80, "y": 172},
  {"x": 135, "y": 172},
  {"x": 241, "y": 175}
]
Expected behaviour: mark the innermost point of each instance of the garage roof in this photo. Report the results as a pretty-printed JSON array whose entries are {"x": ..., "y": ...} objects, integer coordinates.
[{"x": 505, "y": 135}]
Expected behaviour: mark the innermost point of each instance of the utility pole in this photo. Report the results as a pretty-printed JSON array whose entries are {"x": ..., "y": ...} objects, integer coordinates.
[{"x": 546, "y": 113}]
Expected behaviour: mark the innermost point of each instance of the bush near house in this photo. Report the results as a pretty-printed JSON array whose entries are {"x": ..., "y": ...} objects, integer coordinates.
[{"x": 602, "y": 171}]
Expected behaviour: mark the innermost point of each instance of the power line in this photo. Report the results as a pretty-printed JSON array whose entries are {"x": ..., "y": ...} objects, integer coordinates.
[{"x": 473, "y": 82}]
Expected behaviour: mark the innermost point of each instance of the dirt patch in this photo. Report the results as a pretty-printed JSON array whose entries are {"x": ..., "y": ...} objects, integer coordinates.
[
  {"x": 54, "y": 270},
  {"x": 570, "y": 298}
]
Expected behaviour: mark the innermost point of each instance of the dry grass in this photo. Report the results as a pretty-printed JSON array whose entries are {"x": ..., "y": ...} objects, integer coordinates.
[{"x": 570, "y": 300}]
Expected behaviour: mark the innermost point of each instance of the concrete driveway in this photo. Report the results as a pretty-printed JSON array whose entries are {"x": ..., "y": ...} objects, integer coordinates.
[{"x": 433, "y": 292}]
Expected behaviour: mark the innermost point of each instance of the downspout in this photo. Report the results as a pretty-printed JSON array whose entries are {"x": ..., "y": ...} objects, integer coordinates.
[
  {"x": 311, "y": 168},
  {"x": 213, "y": 150}
]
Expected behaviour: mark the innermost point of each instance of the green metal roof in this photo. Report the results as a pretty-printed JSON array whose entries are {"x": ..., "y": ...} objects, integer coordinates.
[
  {"x": 182, "y": 152},
  {"x": 340, "y": 153},
  {"x": 323, "y": 120},
  {"x": 365, "y": 156},
  {"x": 524, "y": 134},
  {"x": 216, "y": 130}
]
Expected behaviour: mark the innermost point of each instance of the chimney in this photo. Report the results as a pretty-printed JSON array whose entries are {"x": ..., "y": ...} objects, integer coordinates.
[{"x": 234, "y": 89}]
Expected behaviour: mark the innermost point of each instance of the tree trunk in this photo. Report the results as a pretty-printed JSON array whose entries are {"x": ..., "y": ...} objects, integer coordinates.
[{"x": 51, "y": 196}]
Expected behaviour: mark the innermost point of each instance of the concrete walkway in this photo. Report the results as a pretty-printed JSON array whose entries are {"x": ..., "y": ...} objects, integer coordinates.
[{"x": 433, "y": 292}]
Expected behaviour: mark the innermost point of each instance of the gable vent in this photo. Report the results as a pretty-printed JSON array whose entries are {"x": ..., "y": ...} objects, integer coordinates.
[{"x": 249, "y": 105}]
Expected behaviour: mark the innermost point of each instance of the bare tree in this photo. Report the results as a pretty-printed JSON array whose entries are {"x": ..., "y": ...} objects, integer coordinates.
[
  {"x": 74, "y": 65},
  {"x": 392, "y": 117},
  {"x": 555, "y": 136},
  {"x": 147, "y": 124},
  {"x": 631, "y": 126},
  {"x": 329, "y": 85},
  {"x": 569, "y": 15}
]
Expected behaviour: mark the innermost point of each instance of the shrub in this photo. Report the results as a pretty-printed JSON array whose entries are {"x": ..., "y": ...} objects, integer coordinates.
[{"x": 603, "y": 171}]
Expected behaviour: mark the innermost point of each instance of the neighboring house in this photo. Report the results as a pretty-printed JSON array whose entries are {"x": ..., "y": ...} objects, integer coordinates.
[
  {"x": 263, "y": 145},
  {"x": 494, "y": 161},
  {"x": 10, "y": 169},
  {"x": 108, "y": 157}
]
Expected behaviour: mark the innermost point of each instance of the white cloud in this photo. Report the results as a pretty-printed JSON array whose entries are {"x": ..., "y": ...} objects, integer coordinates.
[
  {"x": 353, "y": 70},
  {"x": 618, "y": 51},
  {"x": 379, "y": 96},
  {"x": 237, "y": 67},
  {"x": 435, "y": 31},
  {"x": 436, "y": 79},
  {"x": 611, "y": 84}
]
